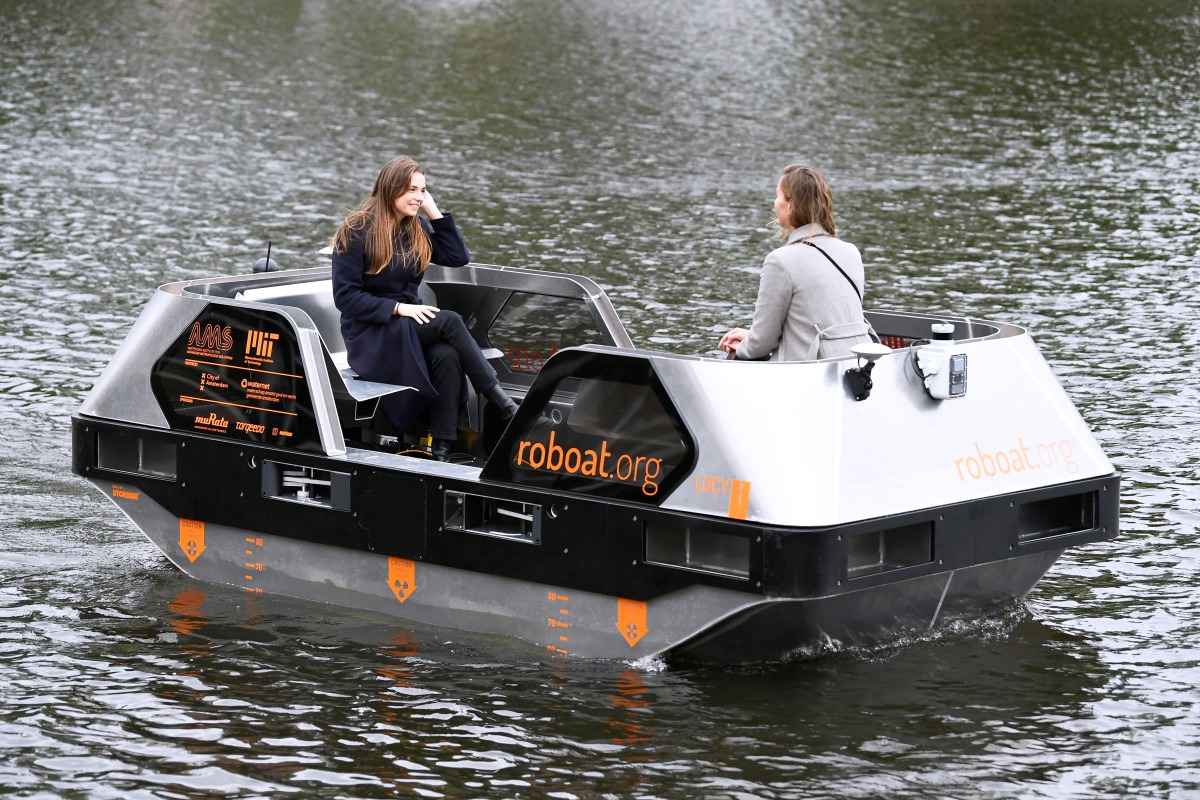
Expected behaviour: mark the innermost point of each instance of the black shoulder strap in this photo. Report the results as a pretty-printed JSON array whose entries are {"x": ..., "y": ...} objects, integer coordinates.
[{"x": 853, "y": 285}]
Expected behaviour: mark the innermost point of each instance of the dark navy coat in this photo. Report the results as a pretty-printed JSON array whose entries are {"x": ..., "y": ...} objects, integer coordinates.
[{"x": 381, "y": 346}]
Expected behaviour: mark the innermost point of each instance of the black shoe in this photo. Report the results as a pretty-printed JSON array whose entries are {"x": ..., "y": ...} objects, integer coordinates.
[
  {"x": 503, "y": 403},
  {"x": 441, "y": 449}
]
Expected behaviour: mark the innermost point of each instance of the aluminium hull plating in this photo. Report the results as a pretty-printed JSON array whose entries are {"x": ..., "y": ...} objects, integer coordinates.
[
  {"x": 555, "y": 619},
  {"x": 785, "y": 629},
  {"x": 698, "y": 623}
]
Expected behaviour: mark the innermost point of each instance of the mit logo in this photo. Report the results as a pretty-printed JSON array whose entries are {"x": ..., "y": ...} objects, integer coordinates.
[{"x": 260, "y": 343}]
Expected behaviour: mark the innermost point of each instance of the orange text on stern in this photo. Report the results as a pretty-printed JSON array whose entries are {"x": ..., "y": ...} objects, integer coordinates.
[{"x": 1022, "y": 458}]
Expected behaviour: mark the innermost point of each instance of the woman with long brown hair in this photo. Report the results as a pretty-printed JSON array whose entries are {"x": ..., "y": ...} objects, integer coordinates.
[
  {"x": 380, "y": 254},
  {"x": 811, "y": 289}
]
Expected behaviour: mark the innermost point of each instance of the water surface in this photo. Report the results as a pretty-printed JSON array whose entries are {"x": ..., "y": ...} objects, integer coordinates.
[{"x": 1026, "y": 162}]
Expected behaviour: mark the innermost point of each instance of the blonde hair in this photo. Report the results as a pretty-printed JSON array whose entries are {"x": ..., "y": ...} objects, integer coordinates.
[
  {"x": 378, "y": 215},
  {"x": 808, "y": 192}
]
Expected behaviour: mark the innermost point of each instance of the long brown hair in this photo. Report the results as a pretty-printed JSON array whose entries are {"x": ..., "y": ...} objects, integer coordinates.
[
  {"x": 378, "y": 215},
  {"x": 808, "y": 192}
]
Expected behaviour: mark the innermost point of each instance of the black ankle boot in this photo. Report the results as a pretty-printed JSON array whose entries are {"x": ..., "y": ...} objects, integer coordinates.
[
  {"x": 500, "y": 399},
  {"x": 441, "y": 449}
]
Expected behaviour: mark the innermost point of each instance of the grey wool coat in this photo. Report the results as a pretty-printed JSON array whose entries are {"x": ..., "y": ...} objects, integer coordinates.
[{"x": 806, "y": 309}]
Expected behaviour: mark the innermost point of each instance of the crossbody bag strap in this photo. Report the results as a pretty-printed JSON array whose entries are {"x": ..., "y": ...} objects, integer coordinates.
[{"x": 853, "y": 285}]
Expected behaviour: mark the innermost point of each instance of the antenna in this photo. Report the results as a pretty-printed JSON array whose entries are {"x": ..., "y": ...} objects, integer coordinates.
[{"x": 266, "y": 264}]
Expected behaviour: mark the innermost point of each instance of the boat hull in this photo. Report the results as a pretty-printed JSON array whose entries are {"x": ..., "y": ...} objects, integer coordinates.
[
  {"x": 702, "y": 624},
  {"x": 556, "y": 619},
  {"x": 785, "y": 630}
]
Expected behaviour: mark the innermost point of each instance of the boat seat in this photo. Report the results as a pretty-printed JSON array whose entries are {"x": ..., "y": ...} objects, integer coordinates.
[{"x": 357, "y": 399}]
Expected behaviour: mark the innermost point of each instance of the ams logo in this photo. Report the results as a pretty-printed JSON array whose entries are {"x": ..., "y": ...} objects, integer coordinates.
[{"x": 211, "y": 337}]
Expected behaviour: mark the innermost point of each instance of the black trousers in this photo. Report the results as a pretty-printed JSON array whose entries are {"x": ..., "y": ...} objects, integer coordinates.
[{"x": 450, "y": 352}]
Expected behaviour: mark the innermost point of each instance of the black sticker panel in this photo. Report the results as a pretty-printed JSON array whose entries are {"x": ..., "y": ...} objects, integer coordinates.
[
  {"x": 237, "y": 373},
  {"x": 596, "y": 423}
]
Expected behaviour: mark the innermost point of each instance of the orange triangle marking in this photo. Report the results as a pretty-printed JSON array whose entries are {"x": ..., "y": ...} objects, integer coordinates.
[
  {"x": 402, "y": 577},
  {"x": 631, "y": 619},
  {"x": 191, "y": 538}
]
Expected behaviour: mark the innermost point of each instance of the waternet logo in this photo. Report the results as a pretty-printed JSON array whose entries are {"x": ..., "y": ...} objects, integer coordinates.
[{"x": 990, "y": 463}]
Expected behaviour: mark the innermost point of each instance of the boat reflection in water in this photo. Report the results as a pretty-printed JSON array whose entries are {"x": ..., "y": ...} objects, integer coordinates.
[{"x": 639, "y": 503}]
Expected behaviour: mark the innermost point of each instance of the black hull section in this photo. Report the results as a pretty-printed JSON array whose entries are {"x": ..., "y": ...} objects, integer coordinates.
[
  {"x": 787, "y": 630},
  {"x": 788, "y": 590}
]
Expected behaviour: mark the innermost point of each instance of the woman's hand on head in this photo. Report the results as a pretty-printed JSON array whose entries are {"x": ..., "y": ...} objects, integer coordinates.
[
  {"x": 417, "y": 313},
  {"x": 731, "y": 340},
  {"x": 430, "y": 207}
]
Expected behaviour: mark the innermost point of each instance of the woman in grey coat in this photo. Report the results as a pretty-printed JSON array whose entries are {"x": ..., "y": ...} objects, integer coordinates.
[{"x": 810, "y": 292}]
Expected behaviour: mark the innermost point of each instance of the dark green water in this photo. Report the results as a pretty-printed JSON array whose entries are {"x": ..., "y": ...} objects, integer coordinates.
[{"x": 1027, "y": 162}]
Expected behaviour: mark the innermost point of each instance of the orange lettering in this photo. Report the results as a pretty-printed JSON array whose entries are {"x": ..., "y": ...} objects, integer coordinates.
[{"x": 551, "y": 456}]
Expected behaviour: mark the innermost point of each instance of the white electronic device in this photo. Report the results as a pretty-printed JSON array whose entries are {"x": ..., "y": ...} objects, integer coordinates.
[{"x": 943, "y": 370}]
